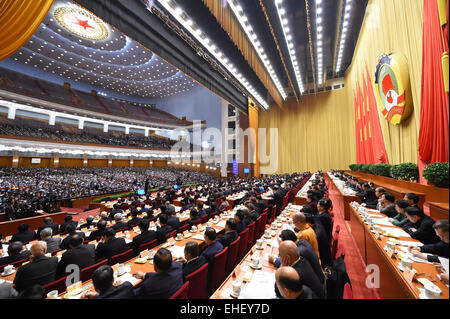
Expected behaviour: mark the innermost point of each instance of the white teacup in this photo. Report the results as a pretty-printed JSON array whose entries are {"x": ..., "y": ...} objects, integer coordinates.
[
  {"x": 237, "y": 285},
  {"x": 255, "y": 260},
  {"x": 9, "y": 269},
  {"x": 390, "y": 244},
  {"x": 194, "y": 228},
  {"x": 267, "y": 233},
  {"x": 151, "y": 254},
  {"x": 407, "y": 263},
  {"x": 432, "y": 292},
  {"x": 179, "y": 236},
  {"x": 208, "y": 224},
  {"x": 259, "y": 243},
  {"x": 52, "y": 294},
  {"x": 120, "y": 269}
]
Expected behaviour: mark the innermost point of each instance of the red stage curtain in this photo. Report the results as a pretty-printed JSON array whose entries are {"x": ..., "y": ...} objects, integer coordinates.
[
  {"x": 370, "y": 148},
  {"x": 434, "y": 112}
]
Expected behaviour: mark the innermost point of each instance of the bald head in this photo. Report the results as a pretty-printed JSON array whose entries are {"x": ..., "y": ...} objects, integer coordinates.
[
  {"x": 38, "y": 249},
  {"x": 288, "y": 282},
  {"x": 288, "y": 252},
  {"x": 299, "y": 219}
]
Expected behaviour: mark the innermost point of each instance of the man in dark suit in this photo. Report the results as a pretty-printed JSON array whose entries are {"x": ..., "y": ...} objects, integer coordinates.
[
  {"x": 170, "y": 209},
  {"x": 114, "y": 211},
  {"x": 101, "y": 226},
  {"x": 289, "y": 256},
  {"x": 192, "y": 260},
  {"x": 53, "y": 243},
  {"x": 240, "y": 225},
  {"x": 24, "y": 235},
  {"x": 119, "y": 223},
  {"x": 213, "y": 247},
  {"x": 41, "y": 270},
  {"x": 48, "y": 222},
  {"x": 277, "y": 199},
  {"x": 420, "y": 226},
  {"x": 261, "y": 204},
  {"x": 15, "y": 253},
  {"x": 164, "y": 229},
  {"x": 230, "y": 233},
  {"x": 289, "y": 285},
  {"x": 322, "y": 241},
  {"x": 10, "y": 211},
  {"x": 78, "y": 254},
  {"x": 135, "y": 220},
  {"x": 201, "y": 211},
  {"x": 387, "y": 205},
  {"x": 173, "y": 220},
  {"x": 164, "y": 282},
  {"x": 67, "y": 220},
  {"x": 145, "y": 236},
  {"x": 103, "y": 279},
  {"x": 71, "y": 230},
  {"x": 110, "y": 245},
  {"x": 89, "y": 222},
  {"x": 324, "y": 217}
]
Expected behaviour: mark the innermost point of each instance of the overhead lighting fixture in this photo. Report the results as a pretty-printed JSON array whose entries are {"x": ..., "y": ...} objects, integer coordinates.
[
  {"x": 193, "y": 30},
  {"x": 343, "y": 35},
  {"x": 253, "y": 38},
  {"x": 291, "y": 47}
]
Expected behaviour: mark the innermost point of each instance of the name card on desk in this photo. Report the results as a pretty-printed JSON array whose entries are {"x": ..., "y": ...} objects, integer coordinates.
[
  {"x": 390, "y": 252},
  {"x": 409, "y": 274}
]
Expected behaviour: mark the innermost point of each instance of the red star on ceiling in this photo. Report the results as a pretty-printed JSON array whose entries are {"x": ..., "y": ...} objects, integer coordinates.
[{"x": 83, "y": 23}]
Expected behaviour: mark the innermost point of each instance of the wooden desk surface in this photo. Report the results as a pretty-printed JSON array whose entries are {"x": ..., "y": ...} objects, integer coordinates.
[{"x": 424, "y": 270}]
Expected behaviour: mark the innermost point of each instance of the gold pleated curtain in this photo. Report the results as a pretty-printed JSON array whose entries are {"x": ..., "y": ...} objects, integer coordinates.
[
  {"x": 318, "y": 133},
  {"x": 253, "y": 124},
  {"x": 19, "y": 19},
  {"x": 231, "y": 25},
  {"x": 389, "y": 27}
]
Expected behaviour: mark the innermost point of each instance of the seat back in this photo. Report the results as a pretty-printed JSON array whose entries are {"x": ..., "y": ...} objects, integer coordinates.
[
  {"x": 243, "y": 244},
  {"x": 173, "y": 233},
  {"x": 348, "y": 293},
  {"x": 262, "y": 225},
  {"x": 198, "y": 280},
  {"x": 273, "y": 215},
  {"x": 232, "y": 256},
  {"x": 182, "y": 293},
  {"x": 203, "y": 219},
  {"x": 218, "y": 270},
  {"x": 121, "y": 258},
  {"x": 86, "y": 273},
  {"x": 251, "y": 235},
  {"x": 183, "y": 228},
  {"x": 16, "y": 264},
  {"x": 149, "y": 245},
  {"x": 59, "y": 285},
  {"x": 257, "y": 226}
]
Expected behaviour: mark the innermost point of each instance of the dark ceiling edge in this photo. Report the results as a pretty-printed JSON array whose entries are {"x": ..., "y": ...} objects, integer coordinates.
[{"x": 132, "y": 18}]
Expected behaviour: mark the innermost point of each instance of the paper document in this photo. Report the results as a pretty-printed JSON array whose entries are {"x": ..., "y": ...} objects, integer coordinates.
[
  {"x": 199, "y": 237},
  {"x": 444, "y": 263},
  {"x": 221, "y": 224},
  {"x": 128, "y": 277},
  {"x": 410, "y": 243},
  {"x": 382, "y": 221},
  {"x": 177, "y": 251},
  {"x": 261, "y": 286},
  {"x": 396, "y": 232}
]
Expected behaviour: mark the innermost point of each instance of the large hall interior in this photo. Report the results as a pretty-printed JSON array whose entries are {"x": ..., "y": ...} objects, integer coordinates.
[{"x": 224, "y": 149}]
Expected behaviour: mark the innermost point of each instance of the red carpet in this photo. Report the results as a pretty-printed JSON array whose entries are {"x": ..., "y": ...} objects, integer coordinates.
[
  {"x": 353, "y": 260},
  {"x": 80, "y": 213}
]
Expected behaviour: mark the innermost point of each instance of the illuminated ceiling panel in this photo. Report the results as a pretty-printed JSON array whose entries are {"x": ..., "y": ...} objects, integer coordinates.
[{"x": 75, "y": 44}]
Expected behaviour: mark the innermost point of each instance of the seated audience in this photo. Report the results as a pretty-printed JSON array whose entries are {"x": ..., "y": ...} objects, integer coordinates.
[
  {"x": 71, "y": 230},
  {"x": 119, "y": 224},
  {"x": 103, "y": 279},
  {"x": 144, "y": 237},
  {"x": 109, "y": 245},
  {"x": 53, "y": 243},
  {"x": 164, "y": 229},
  {"x": 77, "y": 254},
  {"x": 400, "y": 219},
  {"x": 164, "y": 282},
  {"x": 24, "y": 235},
  {"x": 7, "y": 291},
  {"x": 420, "y": 226},
  {"x": 290, "y": 286},
  {"x": 67, "y": 220},
  {"x": 240, "y": 224},
  {"x": 101, "y": 226},
  {"x": 230, "y": 233},
  {"x": 192, "y": 260},
  {"x": 441, "y": 248},
  {"x": 212, "y": 246},
  {"x": 305, "y": 231},
  {"x": 89, "y": 222},
  {"x": 16, "y": 252},
  {"x": 48, "y": 222},
  {"x": 290, "y": 256},
  {"x": 387, "y": 205},
  {"x": 40, "y": 270},
  {"x": 135, "y": 220}
]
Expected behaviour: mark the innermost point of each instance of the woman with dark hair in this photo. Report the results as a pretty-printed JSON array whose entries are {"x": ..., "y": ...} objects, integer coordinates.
[
  {"x": 311, "y": 202},
  {"x": 400, "y": 219}
]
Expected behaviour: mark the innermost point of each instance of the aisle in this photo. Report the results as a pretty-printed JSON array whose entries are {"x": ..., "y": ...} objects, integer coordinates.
[
  {"x": 80, "y": 213},
  {"x": 353, "y": 261}
]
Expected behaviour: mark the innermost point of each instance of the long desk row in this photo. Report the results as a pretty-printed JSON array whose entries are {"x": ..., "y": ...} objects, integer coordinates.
[
  {"x": 344, "y": 196},
  {"x": 393, "y": 283}
]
